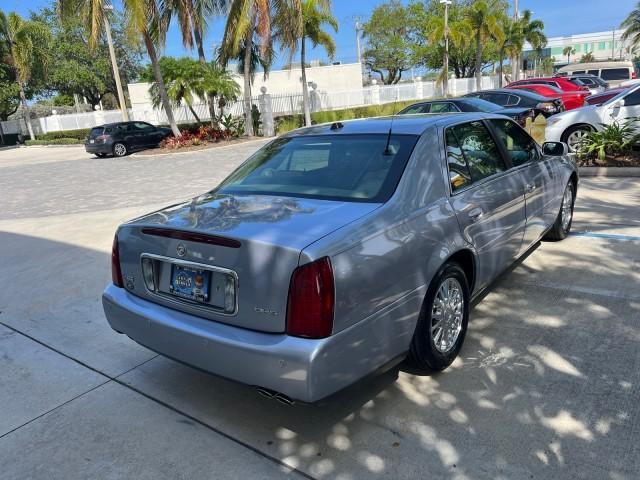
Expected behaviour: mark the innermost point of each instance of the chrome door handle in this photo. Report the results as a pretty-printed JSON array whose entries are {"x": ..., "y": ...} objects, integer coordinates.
[
  {"x": 475, "y": 214},
  {"x": 530, "y": 187}
]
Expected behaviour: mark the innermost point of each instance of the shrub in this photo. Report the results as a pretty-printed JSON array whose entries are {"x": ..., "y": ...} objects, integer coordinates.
[
  {"x": 193, "y": 136},
  {"x": 55, "y": 141},
  {"x": 80, "y": 134},
  {"x": 614, "y": 139}
]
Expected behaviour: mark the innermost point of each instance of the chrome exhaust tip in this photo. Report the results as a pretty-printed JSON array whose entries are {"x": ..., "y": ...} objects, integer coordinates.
[{"x": 281, "y": 397}]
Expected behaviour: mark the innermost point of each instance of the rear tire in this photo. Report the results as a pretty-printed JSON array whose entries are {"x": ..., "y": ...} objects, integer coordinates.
[
  {"x": 562, "y": 225},
  {"x": 120, "y": 149},
  {"x": 443, "y": 320}
]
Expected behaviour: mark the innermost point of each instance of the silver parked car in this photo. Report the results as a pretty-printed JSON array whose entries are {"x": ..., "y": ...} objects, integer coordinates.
[{"x": 337, "y": 249}]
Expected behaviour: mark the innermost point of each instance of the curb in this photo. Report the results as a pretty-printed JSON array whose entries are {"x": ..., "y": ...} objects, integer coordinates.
[
  {"x": 73, "y": 145},
  {"x": 249, "y": 142},
  {"x": 609, "y": 171}
]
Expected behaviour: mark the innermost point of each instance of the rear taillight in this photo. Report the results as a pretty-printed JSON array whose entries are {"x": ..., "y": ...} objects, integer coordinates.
[
  {"x": 101, "y": 138},
  {"x": 634, "y": 75},
  {"x": 548, "y": 107},
  {"x": 311, "y": 300},
  {"x": 116, "y": 273}
]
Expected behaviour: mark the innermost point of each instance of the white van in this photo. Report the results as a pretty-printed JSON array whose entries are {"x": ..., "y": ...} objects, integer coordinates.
[{"x": 614, "y": 73}]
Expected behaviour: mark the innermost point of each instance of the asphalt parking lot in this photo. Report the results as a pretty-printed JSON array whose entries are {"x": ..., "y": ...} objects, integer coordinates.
[{"x": 547, "y": 385}]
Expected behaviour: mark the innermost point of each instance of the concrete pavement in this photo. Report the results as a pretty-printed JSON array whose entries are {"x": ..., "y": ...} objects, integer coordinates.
[{"x": 547, "y": 384}]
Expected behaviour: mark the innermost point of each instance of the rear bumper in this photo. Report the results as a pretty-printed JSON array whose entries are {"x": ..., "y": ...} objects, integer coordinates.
[
  {"x": 98, "y": 148},
  {"x": 303, "y": 369}
]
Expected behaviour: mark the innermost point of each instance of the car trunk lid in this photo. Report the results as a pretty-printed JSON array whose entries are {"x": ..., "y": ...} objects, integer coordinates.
[{"x": 249, "y": 244}]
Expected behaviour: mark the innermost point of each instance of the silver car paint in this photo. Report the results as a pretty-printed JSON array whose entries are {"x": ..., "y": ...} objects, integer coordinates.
[{"x": 384, "y": 257}]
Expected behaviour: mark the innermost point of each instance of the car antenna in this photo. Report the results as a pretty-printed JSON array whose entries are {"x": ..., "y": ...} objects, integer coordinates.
[{"x": 387, "y": 149}]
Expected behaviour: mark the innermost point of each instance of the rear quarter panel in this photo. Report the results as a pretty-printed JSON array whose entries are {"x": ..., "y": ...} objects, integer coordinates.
[{"x": 384, "y": 262}]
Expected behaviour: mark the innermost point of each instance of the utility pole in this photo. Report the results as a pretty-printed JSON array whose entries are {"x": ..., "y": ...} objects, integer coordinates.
[
  {"x": 613, "y": 44},
  {"x": 515, "y": 60},
  {"x": 445, "y": 63},
  {"x": 358, "y": 30},
  {"x": 116, "y": 73}
]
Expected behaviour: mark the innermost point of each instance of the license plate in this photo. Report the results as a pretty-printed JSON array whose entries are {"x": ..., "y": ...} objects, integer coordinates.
[
  {"x": 190, "y": 283},
  {"x": 92, "y": 141}
]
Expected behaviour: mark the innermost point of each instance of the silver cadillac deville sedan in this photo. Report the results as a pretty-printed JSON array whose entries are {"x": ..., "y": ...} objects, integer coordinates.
[{"x": 338, "y": 249}]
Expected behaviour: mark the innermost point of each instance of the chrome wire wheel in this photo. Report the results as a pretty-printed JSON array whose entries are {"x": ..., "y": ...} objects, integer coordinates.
[
  {"x": 566, "y": 214},
  {"x": 119, "y": 150},
  {"x": 447, "y": 314},
  {"x": 576, "y": 138}
]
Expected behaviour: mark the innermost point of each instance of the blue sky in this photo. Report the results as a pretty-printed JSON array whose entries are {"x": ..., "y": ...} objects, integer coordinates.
[{"x": 561, "y": 17}]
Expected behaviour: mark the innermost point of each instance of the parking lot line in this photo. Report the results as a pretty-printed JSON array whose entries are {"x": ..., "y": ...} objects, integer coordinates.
[{"x": 608, "y": 236}]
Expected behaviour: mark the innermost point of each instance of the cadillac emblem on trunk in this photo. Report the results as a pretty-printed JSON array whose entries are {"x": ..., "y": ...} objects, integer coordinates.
[{"x": 181, "y": 249}]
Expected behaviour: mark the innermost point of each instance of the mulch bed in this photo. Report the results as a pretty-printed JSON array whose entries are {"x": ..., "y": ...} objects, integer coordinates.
[
  {"x": 618, "y": 161},
  {"x": 195, "y": 148}
]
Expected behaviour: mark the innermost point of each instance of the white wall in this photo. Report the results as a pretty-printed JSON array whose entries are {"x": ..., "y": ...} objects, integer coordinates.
[{"x": 332, "y": 78}]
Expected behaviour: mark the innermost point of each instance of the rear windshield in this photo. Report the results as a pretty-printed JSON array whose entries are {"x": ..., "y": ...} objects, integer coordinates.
[
  {"x": 614, "y": 74},
  {"x": 333, "y": 167},
  {"x": 96, "y": 131},
  {"x": 480, "y": 105}
]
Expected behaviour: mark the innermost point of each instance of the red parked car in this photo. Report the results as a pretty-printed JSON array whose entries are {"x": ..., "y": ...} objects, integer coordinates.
[
  {"x": 558, "y": 82},
  {"x": 571, "y": 100},
  {"x": 600, "y": 98}
]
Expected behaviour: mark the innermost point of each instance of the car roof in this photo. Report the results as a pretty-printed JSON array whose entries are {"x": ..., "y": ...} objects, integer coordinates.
[
  {"x": 513, "y": 91},
  {"x": 412, "y": 124}
]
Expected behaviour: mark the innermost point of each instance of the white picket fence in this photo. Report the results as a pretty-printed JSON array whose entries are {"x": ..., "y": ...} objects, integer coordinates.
[{"x": 282, "y": 104}]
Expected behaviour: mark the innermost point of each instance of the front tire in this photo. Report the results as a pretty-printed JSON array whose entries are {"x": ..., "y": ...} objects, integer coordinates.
[
  {"x": 562, "y": 225},
  {"x": 120, "y": 149},
  {"x": 443, "y": 321},
  {"x": 575, "y": 136}
]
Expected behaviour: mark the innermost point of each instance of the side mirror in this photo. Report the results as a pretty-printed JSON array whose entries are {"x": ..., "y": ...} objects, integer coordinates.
[
  {"x": 555, "y": 149},
  {"x": 619, "y": 103}
]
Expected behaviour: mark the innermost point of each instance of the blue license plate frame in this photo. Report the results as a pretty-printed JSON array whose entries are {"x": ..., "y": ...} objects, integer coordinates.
[{"x": 190, "y": 283}]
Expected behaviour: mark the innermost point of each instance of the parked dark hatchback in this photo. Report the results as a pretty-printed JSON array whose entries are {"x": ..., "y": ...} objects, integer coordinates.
[
  {"x": 453, "y": 105},
  {"x": 511, "y": 98},
  {"x": 121, "y": 138}
]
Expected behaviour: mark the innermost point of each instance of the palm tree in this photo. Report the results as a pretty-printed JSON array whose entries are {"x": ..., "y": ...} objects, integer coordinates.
[
  {"x": 568, "y": 51},
  {"x": 484, "y": 19},
  {"x": 298, "y": 26},
  {"x": 26, "y": 43},
  {"x": 511, "y": 44},
  {"x": 143, "y": 19},
  {"x": 192, "y": 17},
  {"x": 246, "y": 20},
  {"x": 631, "y": 26},
  {"x": 587, "y": 58},
  {"x": 533, "y": 32}
]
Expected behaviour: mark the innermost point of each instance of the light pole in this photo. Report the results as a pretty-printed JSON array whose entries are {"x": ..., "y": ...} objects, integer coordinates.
[
  {"x": 515, "y": 60},
  {"x": 116, "y": 73},
  {"x": 358, "y": 30},
  {"x": 445, "y": 63}
]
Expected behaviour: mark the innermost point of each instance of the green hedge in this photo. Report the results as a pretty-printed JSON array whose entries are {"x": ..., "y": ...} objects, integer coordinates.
[
  {"x": 291, "y": 122},
  {"x": 80, "y": 134},
  {"x": 55, "y": 141}
]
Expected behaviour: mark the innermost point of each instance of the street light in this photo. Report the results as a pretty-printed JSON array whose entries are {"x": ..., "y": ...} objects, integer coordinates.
[
  {"x": 445, "y": 66},
  {"x": 108, "y": 7}
]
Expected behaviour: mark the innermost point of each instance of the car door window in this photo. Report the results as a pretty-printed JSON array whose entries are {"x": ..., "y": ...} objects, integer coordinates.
[
  {"x": 459, "y": 175},
  {"x": 520, "y": 147},
  {"x": 423, "y": 108},
  {"x": 480, "y": 151},
  {"x": 632, "y": 99},
  {"x": 594, "y": 72},
  {"x": 145, "y": 127},
  {"x": 513, "y": 101}
]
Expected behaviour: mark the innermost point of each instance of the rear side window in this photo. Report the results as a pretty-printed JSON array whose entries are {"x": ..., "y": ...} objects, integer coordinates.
[
  {"x": 587, "y": 81},
  {"x": 415, "y": 109},
  {"x": 578, "y": 72},
  {"x": 444, "y": 107},
  {"x": 594, "y": 72},
  {"x": 513, "y": 100},
  {"x": 497, "y": 98},
  {"x": 480, "y": 152},
  {"x": 520, "y": 147},
  {"x": 615, "y": 74}
]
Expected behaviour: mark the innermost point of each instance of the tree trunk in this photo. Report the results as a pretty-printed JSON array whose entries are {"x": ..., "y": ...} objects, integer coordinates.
[
  {"x": 193, "y": 112},
  {"x": 27, "y": 112},
  {"x": 305, "y": 87},
  {"x": 501, "y": 66},
  {"x": 1, "y": 133},
  {"x": 162, "y": 89},
  {"x": 248, "y": 121},
  {"x": 211, "y": 99},
  {"x": 478, "y": 62}
]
